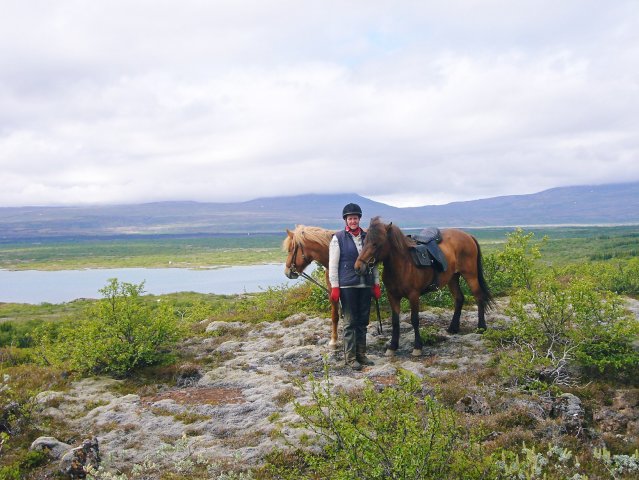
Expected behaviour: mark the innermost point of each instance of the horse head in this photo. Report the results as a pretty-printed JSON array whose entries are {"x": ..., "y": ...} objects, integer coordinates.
[
  {"x": 376, "y": 246},
  {"x": 296, "y": 261}
]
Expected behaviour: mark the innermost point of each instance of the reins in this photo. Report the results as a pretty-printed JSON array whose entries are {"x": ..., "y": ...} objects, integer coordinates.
[
  {"x": 306, "y": 276},
  {"x": 369, "y": 266}
]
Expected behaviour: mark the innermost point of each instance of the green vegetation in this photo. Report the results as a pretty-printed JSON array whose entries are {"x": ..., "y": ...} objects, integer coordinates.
[
  {"x": 564, "y": 245},
  {"x": 119, "y": 334},
  {"x": 567, "y": 332},
  {"x": 558, "y": 327},
  {"x": 421, "y": 439},
  {"x": 122, "y": 252}
]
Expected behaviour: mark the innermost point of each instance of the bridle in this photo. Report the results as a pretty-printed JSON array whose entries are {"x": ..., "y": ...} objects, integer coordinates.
[
  {"x": 370, "y": 263},
  {"x": 293, "y": 268}
]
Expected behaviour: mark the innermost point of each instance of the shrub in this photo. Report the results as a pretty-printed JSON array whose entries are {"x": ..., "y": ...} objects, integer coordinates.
[
  {"x": 395, "y": 433},
  {"x": 513, "y": 267},
  {"x": 17, "y": 334},
  {"x": 555, "y": 327},
  {"x": 120, "y": 333}
]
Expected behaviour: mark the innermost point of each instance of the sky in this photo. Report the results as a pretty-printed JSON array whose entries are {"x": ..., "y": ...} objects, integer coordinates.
[{"x": 409, "y": 103}]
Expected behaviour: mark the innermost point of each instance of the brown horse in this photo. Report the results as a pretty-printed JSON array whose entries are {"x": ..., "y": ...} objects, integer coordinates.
[
  {"x": 304, "y": 245},
  {"x": 387, "y": 243}
]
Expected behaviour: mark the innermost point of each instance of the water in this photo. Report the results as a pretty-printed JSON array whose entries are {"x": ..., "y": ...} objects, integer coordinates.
[{"x": 34, "y": 286}]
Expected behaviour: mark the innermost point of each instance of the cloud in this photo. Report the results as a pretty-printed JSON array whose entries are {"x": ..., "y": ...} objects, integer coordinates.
[{"x": 415, "y": 103}]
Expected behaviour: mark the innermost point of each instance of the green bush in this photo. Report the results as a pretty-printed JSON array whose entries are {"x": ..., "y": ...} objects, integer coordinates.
[
  {"x": 556, "y": 327},
  {"x": 26, "y": 461},
  {"x": 513, "y": 267},
  {"x": 18, "y": 334},
  {"x": 392, "y": 434},
  {"x": 121, "y": 332}
]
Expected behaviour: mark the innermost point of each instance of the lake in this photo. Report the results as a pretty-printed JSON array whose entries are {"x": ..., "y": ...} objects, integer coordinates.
[{"x": 35, "y": 286}]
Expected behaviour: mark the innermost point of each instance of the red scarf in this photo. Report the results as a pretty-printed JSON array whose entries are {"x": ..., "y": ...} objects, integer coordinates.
[{"x": 355, "y": 232}]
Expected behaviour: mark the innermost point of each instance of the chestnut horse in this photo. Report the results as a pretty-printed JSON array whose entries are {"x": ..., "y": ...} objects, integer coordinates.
[
  {"x": 304, "y": 245},
  {"x": 387, "y": 243}
]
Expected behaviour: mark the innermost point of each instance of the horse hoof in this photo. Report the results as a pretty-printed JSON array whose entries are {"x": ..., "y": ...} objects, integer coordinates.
[
  {"x": 390, "y": 353},
  {"x": 452, "y": 331},
  {"x": 417, "y": 352},
  {"x": 332, "y": 344}
]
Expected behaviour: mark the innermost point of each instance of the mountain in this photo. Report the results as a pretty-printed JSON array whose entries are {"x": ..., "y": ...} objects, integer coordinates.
[{"x": 580, "y": 205}]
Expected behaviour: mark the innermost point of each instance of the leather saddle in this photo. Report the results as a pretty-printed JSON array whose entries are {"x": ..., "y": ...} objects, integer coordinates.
[{"x": 427, "y": 252}]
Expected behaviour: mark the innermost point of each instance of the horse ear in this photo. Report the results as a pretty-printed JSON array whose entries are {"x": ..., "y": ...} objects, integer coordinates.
[
  {"x": 290, "y": 234},
  {"x": 388, "y": 227}
]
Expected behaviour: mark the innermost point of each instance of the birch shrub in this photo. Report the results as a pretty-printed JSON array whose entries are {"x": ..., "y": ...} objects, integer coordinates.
[
  {"x": 118, "y": 334},
  {"x": 556, "y": 328},
  {"x": 394, "y": 433}
]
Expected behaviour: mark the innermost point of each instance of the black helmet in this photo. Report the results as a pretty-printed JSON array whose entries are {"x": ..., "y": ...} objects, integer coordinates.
[{"x": 351, "y": 209}]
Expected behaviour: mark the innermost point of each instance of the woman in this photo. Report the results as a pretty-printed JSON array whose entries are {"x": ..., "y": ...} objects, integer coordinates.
[{"x": 352, "y": 289}]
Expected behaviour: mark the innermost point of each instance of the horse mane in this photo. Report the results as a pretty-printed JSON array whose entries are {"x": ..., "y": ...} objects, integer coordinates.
[
  {"x": 377, "y": 228},
  {"x": 303, "y": 233}
]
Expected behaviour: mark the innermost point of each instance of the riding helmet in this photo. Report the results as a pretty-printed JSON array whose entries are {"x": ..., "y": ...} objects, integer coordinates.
[{"x": 351, "y": 209}]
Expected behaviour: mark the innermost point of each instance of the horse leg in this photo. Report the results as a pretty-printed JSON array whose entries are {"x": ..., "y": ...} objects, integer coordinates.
[
  {"x": 334, "y": 321},
  {"x": 414, "y": 320},
  {"x": 480, "y": 298},
  {"x": 458, "y": 296},
  {"x": 392, "y": 347}
]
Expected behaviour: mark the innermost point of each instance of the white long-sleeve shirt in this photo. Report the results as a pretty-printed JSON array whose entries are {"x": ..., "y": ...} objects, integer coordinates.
[{"x": 333, "y": 262}]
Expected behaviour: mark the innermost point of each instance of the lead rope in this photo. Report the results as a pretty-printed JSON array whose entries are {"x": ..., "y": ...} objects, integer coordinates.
[
  {"x": 379, "y": 318},
  {"x": 370, "y": 264},
  {"x": 312, "y": 280}
]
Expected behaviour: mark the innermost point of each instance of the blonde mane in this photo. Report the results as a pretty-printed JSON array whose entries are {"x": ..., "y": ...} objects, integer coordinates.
[{"x": 303, "y": 233}]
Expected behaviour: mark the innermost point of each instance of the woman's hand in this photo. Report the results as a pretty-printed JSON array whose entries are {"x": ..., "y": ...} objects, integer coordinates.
[{"x": 335, "y": 294}]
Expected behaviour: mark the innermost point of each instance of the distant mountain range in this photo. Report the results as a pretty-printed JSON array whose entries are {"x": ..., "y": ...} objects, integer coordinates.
[{"x": 581, "y": 205}]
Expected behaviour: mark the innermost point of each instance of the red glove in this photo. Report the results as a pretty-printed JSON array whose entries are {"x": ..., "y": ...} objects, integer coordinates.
[
  {"x": 335, "y": 294},
  {"x": 377, "y": 291}
]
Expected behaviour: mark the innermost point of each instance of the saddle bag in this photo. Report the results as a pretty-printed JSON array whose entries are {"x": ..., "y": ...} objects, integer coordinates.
[{"x": 427, "y": 252}]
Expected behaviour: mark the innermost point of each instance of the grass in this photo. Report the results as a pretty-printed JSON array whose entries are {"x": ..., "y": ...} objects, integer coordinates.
[
  {"x": 565, "y": 245},
  {"x": 141, "y": 252}
]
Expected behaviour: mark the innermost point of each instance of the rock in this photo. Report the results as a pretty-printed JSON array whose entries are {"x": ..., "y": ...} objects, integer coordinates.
[
  {"x": 48, "y": 396},
  {"x": 8, "y": 412},
  {"x": 188, "y": 376},
  {"x": 222, "y": 326},
  {"x": 75, "y": 461},
  {"x": 50, "y": 445},
  {"x": 567, "y": 408},
  {"x": 622, "y": 417},
  {"x": 473, "y": 404}
]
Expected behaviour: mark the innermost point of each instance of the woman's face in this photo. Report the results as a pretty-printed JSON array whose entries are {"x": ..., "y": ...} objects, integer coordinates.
[{"x": 352, "y": 221}]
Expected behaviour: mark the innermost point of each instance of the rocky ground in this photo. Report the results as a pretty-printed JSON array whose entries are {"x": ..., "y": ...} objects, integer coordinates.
[{"x": 233, "y": 403}]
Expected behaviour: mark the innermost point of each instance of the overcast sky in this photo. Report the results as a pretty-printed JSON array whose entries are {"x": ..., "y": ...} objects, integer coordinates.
[{"x": 406, "y": 102}]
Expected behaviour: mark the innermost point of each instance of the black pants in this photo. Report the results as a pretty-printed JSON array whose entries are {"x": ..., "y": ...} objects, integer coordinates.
[{"x": 356, "y": 305}]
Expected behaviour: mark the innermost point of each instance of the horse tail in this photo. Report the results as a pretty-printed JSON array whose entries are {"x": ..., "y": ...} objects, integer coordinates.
[{"x": 489, "y": 301}]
